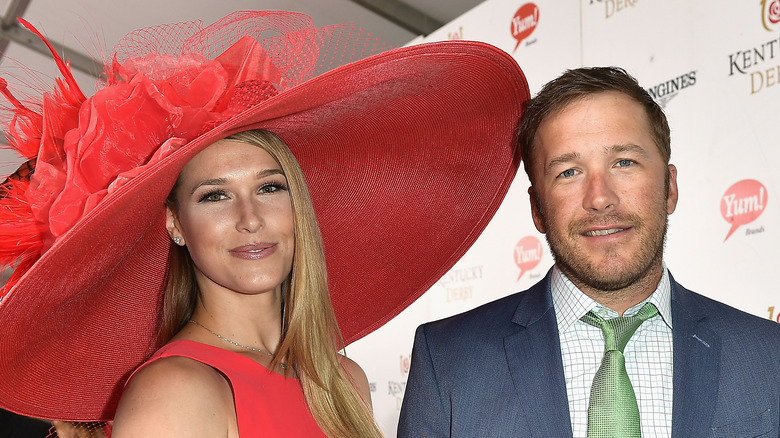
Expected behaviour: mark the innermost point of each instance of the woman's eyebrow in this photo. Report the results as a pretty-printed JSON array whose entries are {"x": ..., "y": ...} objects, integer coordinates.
[{"x": 221, "y": 181}]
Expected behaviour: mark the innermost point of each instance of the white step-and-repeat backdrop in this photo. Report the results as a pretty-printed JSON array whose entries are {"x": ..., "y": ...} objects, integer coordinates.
[{"x": 715, "y": 68}]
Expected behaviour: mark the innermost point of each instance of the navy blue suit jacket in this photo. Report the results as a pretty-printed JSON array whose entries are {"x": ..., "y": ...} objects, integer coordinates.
[{"x": 496, "y": 371}]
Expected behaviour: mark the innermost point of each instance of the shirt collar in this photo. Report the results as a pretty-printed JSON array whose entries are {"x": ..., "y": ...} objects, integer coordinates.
[{"x": 571, "y": 304}]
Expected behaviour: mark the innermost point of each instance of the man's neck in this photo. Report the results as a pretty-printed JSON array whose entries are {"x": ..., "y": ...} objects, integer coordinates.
[{"x": 623, "y": 299}]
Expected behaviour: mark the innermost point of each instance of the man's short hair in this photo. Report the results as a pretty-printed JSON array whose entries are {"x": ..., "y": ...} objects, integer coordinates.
[{"x": 578, "y": 84}]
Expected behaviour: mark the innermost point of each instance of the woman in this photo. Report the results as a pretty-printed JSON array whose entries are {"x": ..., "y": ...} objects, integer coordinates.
[
  {"x": 242, "y": 211},
  {"x": 406, "y": 155}
]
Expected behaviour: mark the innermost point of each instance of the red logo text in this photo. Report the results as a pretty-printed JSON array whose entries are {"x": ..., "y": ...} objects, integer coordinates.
[
  {"x": 524, "y": 22},
  {"x": 743, "y": 203},
  {"x": 770, "y": 14},
  {"x": 528, "y": 254}
]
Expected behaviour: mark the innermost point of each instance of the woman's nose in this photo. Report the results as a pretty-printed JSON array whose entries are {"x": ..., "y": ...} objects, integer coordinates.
[{"x": 249, "y": 216}]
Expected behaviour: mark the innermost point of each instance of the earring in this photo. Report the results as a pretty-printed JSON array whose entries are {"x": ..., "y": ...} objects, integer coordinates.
[{"x": 177, "y": 240}]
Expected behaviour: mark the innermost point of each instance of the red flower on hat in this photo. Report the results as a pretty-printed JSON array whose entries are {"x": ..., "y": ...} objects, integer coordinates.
[{"x": 85, "y": 148}]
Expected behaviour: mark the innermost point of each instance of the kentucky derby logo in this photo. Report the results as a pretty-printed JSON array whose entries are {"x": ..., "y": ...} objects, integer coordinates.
[
  {"x": 770, "y": 14},
  {"x": 743, "y": 203},
  {"x": 524, "y": 22},
  {"x": 528, "y": 254},
  {"x": 760, "y": 61},
  {"x": 615, "y": 6},
  {"x": 396, "y": 389},
  {"x": 774, "y": 316},
  {"x": 459, "y": 282},
  {"x": 457, "y": 35},
  {"x": 406, "y": 363}
]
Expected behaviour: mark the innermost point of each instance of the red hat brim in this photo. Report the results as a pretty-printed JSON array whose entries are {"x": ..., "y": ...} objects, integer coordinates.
[{"x": 407, "y": 155}]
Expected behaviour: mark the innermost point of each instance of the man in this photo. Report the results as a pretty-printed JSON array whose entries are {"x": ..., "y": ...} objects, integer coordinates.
[{"x": 596, "y": 148}]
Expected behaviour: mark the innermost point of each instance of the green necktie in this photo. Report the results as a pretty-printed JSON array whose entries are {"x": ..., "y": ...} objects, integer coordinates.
[{"x": 612, "y": 411}]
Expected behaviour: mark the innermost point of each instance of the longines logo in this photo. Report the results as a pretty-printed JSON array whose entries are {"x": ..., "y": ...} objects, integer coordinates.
[
  {"x": 665, "y": 91},
  {"x": 770, "y": 14},
  {"x": 613, "y": 7},
  {"x": 743, "y": 203},
  {"x": 457, "y": 283},
  {"x": 524, "y": 23}
]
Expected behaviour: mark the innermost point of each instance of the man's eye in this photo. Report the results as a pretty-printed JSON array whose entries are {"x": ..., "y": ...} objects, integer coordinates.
[
  {"x": 568, "y": 173},
  {"x": 624, "y": 163}
]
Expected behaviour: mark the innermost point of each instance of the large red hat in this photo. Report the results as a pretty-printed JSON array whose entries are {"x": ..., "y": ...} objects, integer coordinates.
[{"x": 407, "y": 155}]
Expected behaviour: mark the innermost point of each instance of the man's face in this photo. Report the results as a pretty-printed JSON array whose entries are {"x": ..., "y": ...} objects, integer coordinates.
[{"x": 600, "y": 185}]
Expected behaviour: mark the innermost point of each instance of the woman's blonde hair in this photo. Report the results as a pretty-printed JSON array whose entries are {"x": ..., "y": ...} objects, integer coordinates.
[{"x": 310, "y": 334}]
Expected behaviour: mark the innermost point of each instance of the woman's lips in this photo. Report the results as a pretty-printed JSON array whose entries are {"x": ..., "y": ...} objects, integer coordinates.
[{"x": 254, "y": 251}]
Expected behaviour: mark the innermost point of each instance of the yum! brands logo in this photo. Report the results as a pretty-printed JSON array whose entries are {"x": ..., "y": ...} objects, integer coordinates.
[
  {"x": 528, "y": 254},
  {"x": 524, "y": 23},
  {"x": 770, "y": 14},
  {"x": 743, "y": 203}
]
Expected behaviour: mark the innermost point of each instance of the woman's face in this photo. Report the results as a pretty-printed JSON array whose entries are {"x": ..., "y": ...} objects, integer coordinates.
[{"x": 233, "y": 213}]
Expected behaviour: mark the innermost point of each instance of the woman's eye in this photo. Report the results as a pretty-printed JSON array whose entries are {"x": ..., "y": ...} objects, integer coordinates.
[
  {"x": 213, "y": 196},
  {"x": 272, "y": 188}
]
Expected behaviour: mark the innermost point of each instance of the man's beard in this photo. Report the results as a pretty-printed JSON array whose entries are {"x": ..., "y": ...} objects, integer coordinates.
[{"x": 575, "y": 263}]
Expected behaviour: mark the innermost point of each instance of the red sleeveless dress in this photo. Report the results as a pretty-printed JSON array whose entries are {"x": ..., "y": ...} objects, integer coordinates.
[{"x": 267, "y": 404}]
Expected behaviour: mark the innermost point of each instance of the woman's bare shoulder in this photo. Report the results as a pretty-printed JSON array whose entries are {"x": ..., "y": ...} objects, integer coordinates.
[
  {"x": 175, "y": 396},
  {"x": 358, "y": 378}
]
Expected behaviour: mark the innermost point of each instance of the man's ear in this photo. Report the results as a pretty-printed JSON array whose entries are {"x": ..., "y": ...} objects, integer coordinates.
[
  {"x": 671, "y": 199},
  {"x": 536, "y": 213}
]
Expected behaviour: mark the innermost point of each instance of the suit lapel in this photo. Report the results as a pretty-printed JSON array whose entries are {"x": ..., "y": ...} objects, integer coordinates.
[
  {"x": 534, "y": 357},
  {"x": 696, "y": 367}
]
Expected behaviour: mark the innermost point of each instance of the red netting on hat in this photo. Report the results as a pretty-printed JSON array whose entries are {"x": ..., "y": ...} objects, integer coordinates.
[
  {"x": 68, "y": 429},
  {"x": 166, "y": 85},
  {"x": 279, "y": 33}
]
